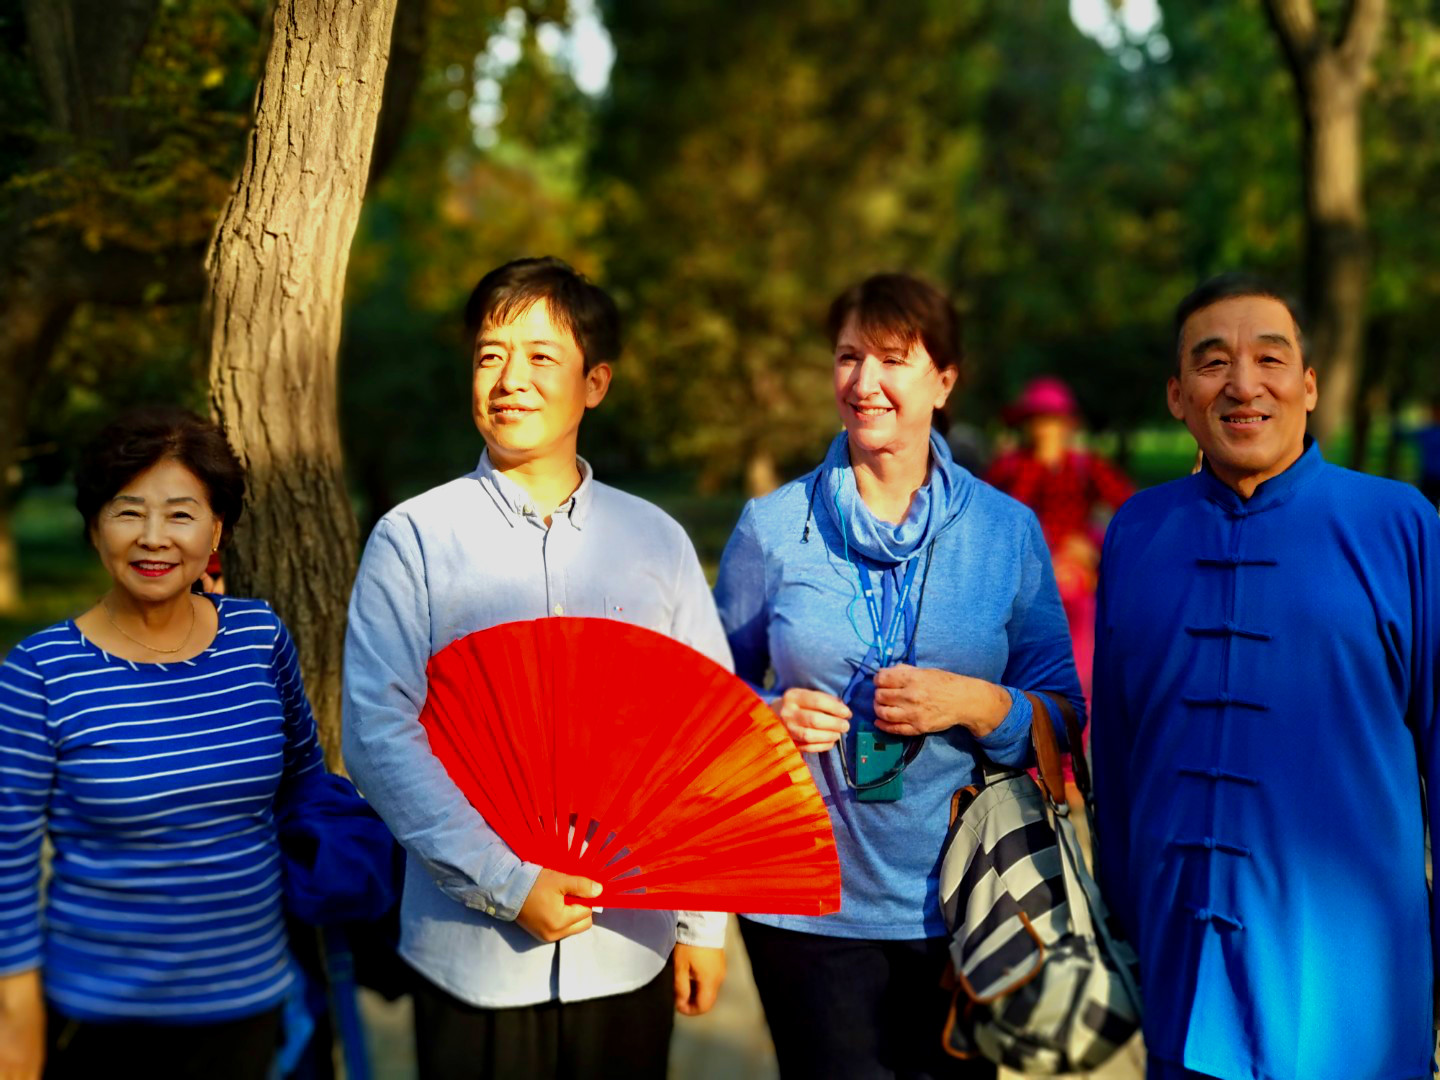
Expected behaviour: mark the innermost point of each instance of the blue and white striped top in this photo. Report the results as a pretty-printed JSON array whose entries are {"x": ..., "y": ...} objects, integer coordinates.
[{"x": 155, "y": 783}]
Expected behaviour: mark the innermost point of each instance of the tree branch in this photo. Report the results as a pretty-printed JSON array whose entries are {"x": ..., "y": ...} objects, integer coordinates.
[
  {"x": 402, "y": 80},
  {"x": 1360, "y": 35},
  {"x": 1298, "y": 30}
]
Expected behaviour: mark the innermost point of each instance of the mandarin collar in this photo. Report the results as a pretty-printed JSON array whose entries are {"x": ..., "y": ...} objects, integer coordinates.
[
  {"x": 513, "y": 501},
  {"x": 1271, "y": 493}
]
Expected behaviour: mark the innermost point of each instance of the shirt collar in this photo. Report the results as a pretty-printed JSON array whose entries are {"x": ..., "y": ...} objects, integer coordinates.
[
  {"x": 514, "y": 503},
  {"x": 1271, "y": 493}
]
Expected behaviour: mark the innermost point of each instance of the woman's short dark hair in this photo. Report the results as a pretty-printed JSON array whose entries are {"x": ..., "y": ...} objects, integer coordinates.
[
  {"x": 574, "y": 302},
  {"x": 904, "y": 309},
  {"x": 1228, "y": 286},
  {"x": 143, "y": 437}
]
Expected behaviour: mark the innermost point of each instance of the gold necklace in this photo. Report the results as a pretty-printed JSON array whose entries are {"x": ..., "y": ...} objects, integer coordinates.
[{"x": 142, "y": 644}]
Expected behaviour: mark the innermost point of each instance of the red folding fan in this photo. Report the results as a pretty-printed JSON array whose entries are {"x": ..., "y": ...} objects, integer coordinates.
[{"x": 598, "y": 748}]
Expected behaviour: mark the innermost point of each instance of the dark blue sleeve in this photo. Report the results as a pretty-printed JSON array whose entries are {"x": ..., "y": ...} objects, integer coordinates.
[
  {"x": 1110, "y": 740},
  {"x": 27, "y": 774},
  {"x": 302, "y": 746},
  {"x": 1424, "y": 711}
]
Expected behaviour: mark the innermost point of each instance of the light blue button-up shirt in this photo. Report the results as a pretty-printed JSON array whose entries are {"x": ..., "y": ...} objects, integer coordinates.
[{"x": 461, "y": 557}]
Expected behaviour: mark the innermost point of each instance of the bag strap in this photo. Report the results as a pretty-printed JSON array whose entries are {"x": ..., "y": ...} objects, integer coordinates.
[
  {"x": 1075, "y": 738},
  {"x": 1047, "y": 746},
  {"x": 1047, "y": 750}
]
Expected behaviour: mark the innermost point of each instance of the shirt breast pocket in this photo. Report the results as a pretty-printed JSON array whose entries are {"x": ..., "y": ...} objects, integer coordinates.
[{"x": 648, "y": 612}]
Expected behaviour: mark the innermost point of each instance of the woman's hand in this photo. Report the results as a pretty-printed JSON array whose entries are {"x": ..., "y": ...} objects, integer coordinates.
[
  {"x": 22, "y": 1026},
  {"x": 814, "y": 719},
  {"x": 547, "y": 916},
  {"x": 921, "y": 701},
  {"x": 698, "y": 974}
]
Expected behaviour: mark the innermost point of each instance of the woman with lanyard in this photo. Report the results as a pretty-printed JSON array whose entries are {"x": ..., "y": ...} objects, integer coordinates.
[{"x": 902, "y": 607}]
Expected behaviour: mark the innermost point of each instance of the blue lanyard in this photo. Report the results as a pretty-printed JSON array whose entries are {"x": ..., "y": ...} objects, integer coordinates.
[{"x": 886, "y": 638}]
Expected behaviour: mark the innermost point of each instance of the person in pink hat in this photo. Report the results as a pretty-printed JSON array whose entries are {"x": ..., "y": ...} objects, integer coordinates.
[{"x": 1065, "y": 486}]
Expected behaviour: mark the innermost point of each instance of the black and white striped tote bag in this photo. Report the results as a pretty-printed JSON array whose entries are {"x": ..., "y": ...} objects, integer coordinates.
[{"x": 1045, "y": 984}]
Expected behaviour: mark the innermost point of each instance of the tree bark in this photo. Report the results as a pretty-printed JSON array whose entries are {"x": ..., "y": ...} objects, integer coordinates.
[
  {"x": 277, "y": 273},
  {"x": 1330, "y": 87}
]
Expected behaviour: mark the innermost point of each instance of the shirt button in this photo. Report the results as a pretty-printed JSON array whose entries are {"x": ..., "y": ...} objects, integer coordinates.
[
  {"x": 489, "y": 911},
  {"x": 559, "y": 609}
]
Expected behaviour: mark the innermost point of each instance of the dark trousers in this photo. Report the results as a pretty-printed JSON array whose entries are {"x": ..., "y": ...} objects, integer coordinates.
[
  {"x": 232, "y": 1050},
  {"x": 848, "y": 1009},
  {"x": 622, "y": 1036}
]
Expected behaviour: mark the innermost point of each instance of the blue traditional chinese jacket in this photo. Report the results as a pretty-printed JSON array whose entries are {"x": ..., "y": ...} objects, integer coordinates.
[{"x": 1265, "y": 707}]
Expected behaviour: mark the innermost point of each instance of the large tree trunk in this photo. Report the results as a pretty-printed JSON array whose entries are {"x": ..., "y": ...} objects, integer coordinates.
[
  {"x": 277, "y": 271},
  {"x": 1330, "y": 79},
  {"x": 1337, "y": 248}
]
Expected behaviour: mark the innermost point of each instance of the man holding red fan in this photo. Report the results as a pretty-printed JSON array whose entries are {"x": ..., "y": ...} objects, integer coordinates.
[{"x": 514, "y": 981}]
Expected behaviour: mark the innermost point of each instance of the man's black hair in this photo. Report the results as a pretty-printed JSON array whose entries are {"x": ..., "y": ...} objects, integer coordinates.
[
  {"x": 1229, "y": 285},
  {"x": 574, "y": 302}
]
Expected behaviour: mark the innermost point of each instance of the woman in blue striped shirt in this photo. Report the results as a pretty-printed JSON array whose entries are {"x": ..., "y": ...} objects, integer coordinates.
[{"x": 148, "y": 739}]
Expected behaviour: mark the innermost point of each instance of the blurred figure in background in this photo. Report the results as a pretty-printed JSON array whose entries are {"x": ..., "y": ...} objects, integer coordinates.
[{"x": 1065, "y": 486}]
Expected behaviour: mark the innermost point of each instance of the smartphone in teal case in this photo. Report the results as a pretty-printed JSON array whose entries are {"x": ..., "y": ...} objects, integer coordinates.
[{"x": 877, "y": 754}]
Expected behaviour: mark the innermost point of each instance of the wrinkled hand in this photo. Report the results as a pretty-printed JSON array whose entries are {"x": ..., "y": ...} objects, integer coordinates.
[
  {"x": 814, "y": 719},
  {"x": 921, "y": 701},
  {"x": 22, "y": 1026},
  {"x": 698, "y": 974},
  {"x": 547, "y": 916}
]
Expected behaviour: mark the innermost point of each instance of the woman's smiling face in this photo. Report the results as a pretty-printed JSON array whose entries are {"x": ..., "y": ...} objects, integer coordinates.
[
  {"x": 156, "y": 533},
  {"x": 886, "y": 390}
]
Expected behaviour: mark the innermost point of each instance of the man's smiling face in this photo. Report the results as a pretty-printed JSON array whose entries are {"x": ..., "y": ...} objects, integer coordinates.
[
  {"x": 1243, "y": 389},
  {"x": 531, "y": 388}
]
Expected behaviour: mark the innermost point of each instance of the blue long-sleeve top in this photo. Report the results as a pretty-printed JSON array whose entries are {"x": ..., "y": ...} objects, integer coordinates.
[
  {"x": 988, "y": 608},
  {"x": 155, "y": 783},
  {"x": 1265, "y": 703}
]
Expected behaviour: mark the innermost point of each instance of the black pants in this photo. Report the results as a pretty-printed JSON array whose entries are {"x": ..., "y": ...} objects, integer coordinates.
[
  {"x": 622, "y": 1036},
  {"x": 233, "y": 1050},
  {"x": 849, "y": 1009}
]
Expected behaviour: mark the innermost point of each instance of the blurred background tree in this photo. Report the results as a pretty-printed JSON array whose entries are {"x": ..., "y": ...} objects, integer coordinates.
[{"x": 1067, "y": 172}]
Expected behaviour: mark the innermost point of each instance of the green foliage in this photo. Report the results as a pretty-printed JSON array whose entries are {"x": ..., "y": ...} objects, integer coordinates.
[
  {"x": 753, "y": 162},
  {"x": 183, "y": 129},
  {"x": 1403, "y": 176},
  {"x": 62, "y": 575},
  {"x": 449, "y": 210}
]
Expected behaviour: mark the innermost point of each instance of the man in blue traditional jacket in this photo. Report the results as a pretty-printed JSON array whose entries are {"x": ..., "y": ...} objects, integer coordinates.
[{"x": 1265, "y": 711}]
